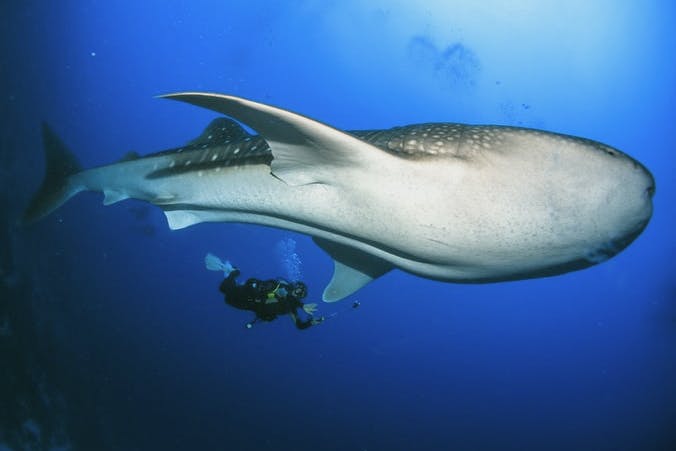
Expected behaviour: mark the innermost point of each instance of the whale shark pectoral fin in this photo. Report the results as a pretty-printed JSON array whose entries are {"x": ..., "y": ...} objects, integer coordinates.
[
  {"x": 353, "y": 269},
  {"x": 304, "y": 151}
]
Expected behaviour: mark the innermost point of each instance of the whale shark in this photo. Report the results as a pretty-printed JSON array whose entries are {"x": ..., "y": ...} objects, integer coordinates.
[{"x": 445, "y": 201}]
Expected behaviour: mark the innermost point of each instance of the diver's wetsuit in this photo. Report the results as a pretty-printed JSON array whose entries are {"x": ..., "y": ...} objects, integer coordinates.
[{"x": 253, "y": 295}]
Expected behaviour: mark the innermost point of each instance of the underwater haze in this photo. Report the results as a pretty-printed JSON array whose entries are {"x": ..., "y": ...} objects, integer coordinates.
[{"x": 114, "y": 336}]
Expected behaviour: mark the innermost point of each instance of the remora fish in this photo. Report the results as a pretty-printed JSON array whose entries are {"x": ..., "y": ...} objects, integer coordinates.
[{"x": 452, "y": 202}]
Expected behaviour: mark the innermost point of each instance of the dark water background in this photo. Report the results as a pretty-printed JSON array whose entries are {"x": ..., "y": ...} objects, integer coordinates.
[{"x": 113, "y": 336}]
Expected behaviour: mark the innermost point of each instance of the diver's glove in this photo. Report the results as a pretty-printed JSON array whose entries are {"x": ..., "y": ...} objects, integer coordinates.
[
  {"x": 310, "y": 308},
  {"x": 214, "y": 263}
]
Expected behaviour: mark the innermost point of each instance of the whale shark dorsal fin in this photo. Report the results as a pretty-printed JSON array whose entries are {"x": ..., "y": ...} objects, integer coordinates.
[
  {"x": 129, "y": 156},
  {"x": 221, "y": 131},
  {"x": 352, "y": 269},
  {"x": 304, "y": 150}
]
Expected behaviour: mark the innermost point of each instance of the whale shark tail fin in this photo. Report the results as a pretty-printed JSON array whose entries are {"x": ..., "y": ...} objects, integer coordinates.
[{"x": 57, "y": 186}]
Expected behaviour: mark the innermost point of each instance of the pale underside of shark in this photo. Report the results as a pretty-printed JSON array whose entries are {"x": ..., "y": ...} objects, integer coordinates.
[{"x": 445, "y": 201}]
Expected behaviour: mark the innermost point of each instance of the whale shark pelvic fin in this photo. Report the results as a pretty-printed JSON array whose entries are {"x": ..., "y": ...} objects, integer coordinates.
[{"x": 352, "y": 269}]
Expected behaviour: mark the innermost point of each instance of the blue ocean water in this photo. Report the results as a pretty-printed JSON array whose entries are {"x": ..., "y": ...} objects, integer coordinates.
[{"x": 113, "y": 336}]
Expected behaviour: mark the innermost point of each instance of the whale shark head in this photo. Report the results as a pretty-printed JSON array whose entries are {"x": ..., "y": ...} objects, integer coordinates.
[
  {"x": 626, "y": 207},
  {"x": 609, "y": 194}
]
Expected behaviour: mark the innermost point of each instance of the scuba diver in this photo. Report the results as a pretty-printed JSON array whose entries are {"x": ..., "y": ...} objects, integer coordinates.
[{"x": 266, "y": 298}]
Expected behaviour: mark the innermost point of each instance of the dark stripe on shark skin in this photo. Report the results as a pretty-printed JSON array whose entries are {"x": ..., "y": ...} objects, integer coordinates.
[
  {"x": 231, "y": 148},
  {"x": 180, "y": 169},
  {"x": 202, "y": 157}
]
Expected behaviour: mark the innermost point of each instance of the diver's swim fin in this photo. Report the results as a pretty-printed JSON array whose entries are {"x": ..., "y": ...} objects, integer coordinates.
[{"x": 214, "y": 263}]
